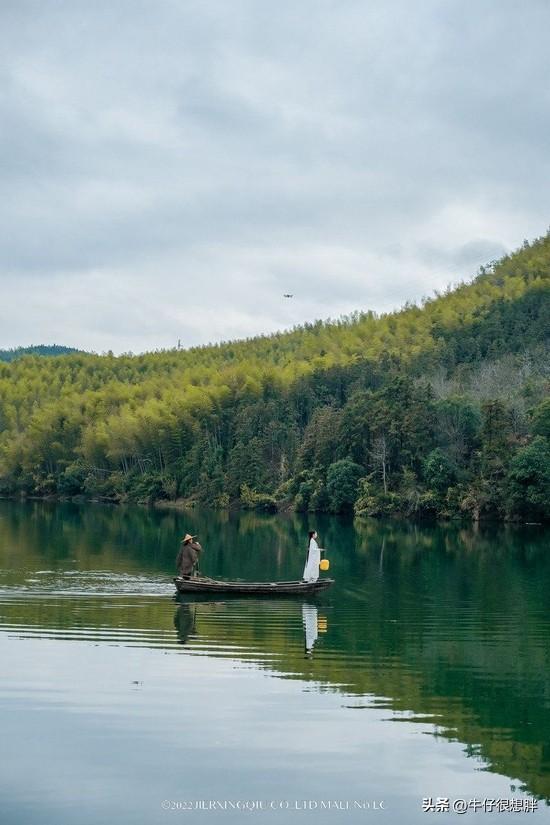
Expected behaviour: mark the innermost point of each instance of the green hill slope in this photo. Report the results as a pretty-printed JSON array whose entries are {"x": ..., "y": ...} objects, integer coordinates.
[{"x": 437, "y": 409}]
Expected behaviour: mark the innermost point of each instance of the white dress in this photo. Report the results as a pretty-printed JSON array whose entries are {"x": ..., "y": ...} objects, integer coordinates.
[{"x": 311, "y": 570}]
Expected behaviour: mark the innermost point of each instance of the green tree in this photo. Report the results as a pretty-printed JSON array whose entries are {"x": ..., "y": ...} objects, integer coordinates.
[
  {"x": 540, "y": 422},
  {"x": 342, "y": 480},
  {"x": 529, "y": 480},
  {"x": 439, "y": 471},
  {"x": 458, "y": 422}
]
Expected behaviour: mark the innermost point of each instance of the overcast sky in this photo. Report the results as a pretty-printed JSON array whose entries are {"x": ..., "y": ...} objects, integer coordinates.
[{"x": 170, "y": 168}]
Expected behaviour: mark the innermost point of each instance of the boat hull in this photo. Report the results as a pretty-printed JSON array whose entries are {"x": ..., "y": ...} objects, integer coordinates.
[{"x": 200, "y": 584}]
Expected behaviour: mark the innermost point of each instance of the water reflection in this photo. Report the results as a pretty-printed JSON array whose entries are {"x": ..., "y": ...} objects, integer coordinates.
[
  {"x": 447, "y": 627},
  {"x": 310, "y": 618},
  {"x": 184, "y": 622}
]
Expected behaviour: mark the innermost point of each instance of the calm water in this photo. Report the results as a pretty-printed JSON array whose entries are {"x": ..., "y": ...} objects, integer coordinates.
[{"x": 425, "y": 671}]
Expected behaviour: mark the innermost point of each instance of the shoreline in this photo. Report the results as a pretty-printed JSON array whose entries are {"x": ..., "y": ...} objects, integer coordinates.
[{"x": 184, "y": 505}]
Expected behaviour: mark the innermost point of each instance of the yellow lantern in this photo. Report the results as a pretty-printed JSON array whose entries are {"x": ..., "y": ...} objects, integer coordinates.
[{"x": 324, "y": 564}]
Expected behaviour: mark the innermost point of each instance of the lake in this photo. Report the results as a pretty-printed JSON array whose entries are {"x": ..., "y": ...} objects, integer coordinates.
[{"x": 423, "y": 673}]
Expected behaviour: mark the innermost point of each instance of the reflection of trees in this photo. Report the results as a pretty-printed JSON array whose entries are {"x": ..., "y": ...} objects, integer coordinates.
[
  {"x": 71, "y": 531},
  {"x": 467, "y": 690}
]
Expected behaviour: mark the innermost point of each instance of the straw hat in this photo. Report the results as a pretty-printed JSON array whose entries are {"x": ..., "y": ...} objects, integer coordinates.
[{"x": 187, "y": 537}]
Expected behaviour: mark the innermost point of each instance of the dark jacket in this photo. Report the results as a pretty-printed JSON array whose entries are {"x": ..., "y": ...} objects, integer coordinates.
[{"x": 188, "y": 557}]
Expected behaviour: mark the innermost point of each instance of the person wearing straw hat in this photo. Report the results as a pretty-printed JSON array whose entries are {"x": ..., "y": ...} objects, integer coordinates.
[{"x": 188, "y": 556}]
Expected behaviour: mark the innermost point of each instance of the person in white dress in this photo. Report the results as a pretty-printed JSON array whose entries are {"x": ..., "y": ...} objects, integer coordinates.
[{"x": 311, "y": 570}]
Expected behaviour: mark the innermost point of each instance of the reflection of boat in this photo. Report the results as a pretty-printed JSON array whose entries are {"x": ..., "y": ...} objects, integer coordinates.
[{"x": 202, "y": 584}]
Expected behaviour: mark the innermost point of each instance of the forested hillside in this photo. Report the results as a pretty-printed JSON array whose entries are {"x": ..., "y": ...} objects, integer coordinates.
[
  {"x": 440, "y": 409},
  {"x": 40, "y": 349}
]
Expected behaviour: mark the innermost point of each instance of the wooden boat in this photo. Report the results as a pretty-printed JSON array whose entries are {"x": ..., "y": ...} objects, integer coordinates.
[{"x": 202, "y": 584}]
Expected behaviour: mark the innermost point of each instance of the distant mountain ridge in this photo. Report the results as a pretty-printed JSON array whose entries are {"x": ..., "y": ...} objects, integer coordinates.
[{"x": 38, "y": 349}]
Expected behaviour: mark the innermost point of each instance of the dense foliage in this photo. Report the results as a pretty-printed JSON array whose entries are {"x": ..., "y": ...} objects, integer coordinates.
[{"x": 437, "y": 410}]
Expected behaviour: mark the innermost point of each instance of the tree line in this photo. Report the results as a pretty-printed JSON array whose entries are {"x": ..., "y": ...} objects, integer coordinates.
[{"x": 40, "y": 349}]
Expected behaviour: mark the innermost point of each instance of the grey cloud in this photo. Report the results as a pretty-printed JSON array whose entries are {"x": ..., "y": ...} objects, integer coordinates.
[
  {"x": 464, "y": 259},
  {"x": 363, "y": 152}
]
